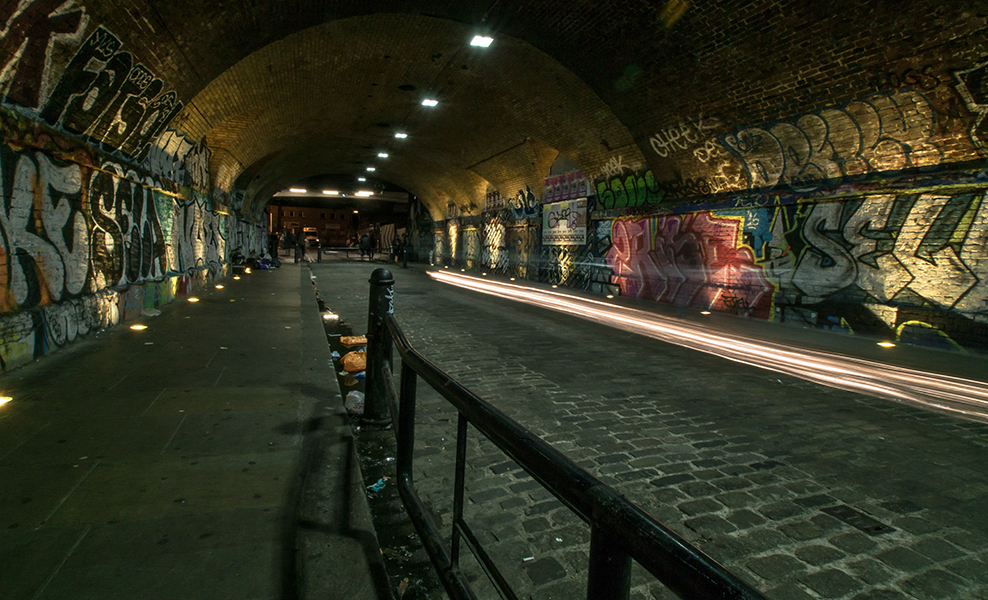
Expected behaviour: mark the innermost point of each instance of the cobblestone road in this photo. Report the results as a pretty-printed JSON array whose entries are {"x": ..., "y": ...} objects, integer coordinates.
[{"x": 802, "y": 490}]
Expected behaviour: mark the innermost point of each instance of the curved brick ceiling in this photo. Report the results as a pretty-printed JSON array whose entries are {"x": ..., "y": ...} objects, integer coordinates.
[
  {"x": 327, "y": 99},
  {"x": 279, "y": 88}
]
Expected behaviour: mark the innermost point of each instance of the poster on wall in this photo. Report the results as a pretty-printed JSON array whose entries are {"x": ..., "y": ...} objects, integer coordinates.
[{"x": 565, "y": 223}]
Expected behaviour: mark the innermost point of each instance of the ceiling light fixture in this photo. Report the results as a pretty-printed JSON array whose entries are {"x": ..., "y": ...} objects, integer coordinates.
[
  {"x": 401, "y": 135},
  {"x": 361, "y": 179},
  {"x": 481, "y": 41},
  {"x": 430, "y": 102},
  {"x": 382, "y": 154},
  {"x": 371, "y": 169}
]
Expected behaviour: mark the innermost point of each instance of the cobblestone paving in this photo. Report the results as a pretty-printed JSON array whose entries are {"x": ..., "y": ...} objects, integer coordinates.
[{"x": 801, "y": 490}]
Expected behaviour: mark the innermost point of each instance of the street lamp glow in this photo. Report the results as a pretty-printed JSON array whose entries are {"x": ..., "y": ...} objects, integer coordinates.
[
  {"x": 481, "y": 41},
  {"x": 401, "y": 136},
  {"x": 430, "y": 102},
  {"x": 382, "y": 154}
]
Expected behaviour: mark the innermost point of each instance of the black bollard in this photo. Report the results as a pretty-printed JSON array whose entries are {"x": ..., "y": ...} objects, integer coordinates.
[
  {"x": 379, "y": 347},
  {"x": 318, "y": 252}
]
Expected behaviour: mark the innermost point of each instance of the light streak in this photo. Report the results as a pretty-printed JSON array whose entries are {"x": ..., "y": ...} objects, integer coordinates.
[{"x": 954, "y": 395}]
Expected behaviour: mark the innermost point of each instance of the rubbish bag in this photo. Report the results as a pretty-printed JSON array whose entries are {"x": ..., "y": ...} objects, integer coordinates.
[
  {"x": 355, "y": 402},
  {"x": 353, "y": 340},
  {"x": 354, "y": 362}
]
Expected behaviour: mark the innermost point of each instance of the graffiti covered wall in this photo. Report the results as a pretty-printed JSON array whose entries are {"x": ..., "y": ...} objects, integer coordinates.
[
  {"x": 72, "y": 236},
  {"x": 105, "y": 212}
]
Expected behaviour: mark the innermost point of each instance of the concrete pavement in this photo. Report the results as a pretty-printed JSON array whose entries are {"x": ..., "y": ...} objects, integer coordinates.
[{"x": 208, "y": 456}]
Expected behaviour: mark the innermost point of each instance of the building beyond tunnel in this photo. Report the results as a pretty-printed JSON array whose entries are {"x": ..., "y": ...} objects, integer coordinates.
[{"x": 819, "y": 164}]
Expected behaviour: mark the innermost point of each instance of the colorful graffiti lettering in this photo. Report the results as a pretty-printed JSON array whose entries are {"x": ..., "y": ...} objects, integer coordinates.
[
  {"x": 692, "y": 260},
  {"x": 102, "y": 94},
  {"x": 888, "y": 132},
  {"x": 28, "y": 38},
  {"x": 524, "y": 205}
]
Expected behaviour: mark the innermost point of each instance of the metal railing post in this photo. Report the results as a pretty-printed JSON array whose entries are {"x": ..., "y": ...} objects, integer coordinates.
[
  {"x": 609, "y": 574},
  {"x": 379, "y": 347}
]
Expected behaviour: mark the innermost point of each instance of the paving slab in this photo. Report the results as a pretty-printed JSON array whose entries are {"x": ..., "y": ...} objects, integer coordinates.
[{"x": 208, "y": 456}]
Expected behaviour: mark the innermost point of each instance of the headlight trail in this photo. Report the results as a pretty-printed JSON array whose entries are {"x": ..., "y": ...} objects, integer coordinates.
[{"x": 962, "y": 397}]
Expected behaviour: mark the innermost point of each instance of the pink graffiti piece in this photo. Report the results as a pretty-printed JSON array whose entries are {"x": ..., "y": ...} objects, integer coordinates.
[
  {"x": 35, "y": 25},
  {"x": 689, "y": 260}
]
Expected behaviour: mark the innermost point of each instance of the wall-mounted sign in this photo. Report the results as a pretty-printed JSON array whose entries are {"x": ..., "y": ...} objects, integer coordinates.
[
  {"x": 564, "y": 223},
  {"x": 570, "y": 186}
]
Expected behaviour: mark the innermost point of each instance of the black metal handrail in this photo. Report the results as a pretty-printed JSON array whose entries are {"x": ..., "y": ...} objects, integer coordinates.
[{"x": 619, "y": 530}]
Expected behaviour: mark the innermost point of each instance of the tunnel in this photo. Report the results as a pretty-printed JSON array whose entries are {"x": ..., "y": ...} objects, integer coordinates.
[{"x": 807, "y": 169}]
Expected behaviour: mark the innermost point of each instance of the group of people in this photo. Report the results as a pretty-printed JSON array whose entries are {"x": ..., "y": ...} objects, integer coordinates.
[{"x": 399, "y": 246}]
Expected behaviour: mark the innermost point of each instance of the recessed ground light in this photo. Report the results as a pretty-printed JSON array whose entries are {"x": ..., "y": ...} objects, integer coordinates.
[
  {"x": 330, "y": 317},
  {"x": 364, "y": 194},
  {"x": 356, "y": 211},
  {"x": 297, "y": 190},
  {"x": 247, "y": 271},
  {"x": 219, "y": 286},
  {"x": 331, "y": 192},
  {"x": 4, "y": 400},
  {"x": 138, "y": 327},
  {"x": 481, "y": 41},
  {"x": 554, "y": 285},
  {"x": 382, "y": 154},
  {"x": 512, "y": 279},
  {"x": 430, "y": 102},
  {"x": 401, "y": 136},
  {"x": 610, "y": 295},
  {"x": 236, "y": 277},
  {"x": 193, "y": 299},
  {"x": 886, "y": 344},
  {"x": 484, "y": 274},
  {"x": 704, "y": 312},
  {"x": 371, "y": 169}
]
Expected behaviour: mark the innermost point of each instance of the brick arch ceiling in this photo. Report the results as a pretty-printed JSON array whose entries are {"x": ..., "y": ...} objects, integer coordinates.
[{"x": 328, "y": 99}]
